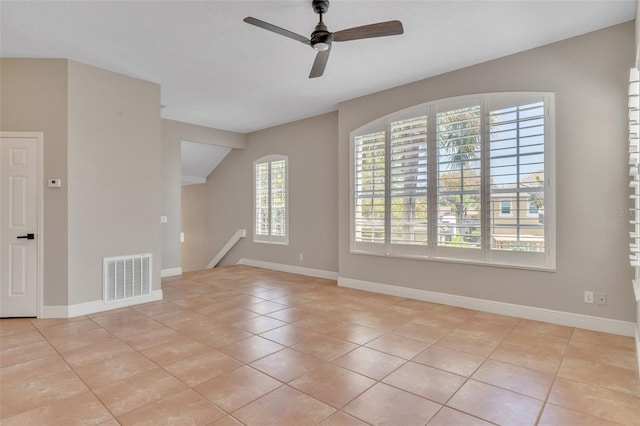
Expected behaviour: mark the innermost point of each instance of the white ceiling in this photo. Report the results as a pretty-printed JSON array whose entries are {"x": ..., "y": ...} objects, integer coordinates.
[{"x": 219, "y": 72}]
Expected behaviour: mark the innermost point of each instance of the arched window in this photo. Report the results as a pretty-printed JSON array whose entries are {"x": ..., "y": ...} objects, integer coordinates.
[{"x": 462, "y": 179}]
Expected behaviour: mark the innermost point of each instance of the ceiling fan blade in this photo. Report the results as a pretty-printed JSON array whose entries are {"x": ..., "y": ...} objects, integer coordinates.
[
  {"x": 319, "y": 64},
  {"x": 381, "y": 29},
  {"x": 270, "y": 27}
]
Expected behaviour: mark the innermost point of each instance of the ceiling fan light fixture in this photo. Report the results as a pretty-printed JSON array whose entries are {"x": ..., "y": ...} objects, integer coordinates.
[{"x": 321, "y": 46}]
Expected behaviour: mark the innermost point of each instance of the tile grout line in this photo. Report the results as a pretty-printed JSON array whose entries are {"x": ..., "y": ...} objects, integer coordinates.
[
  {"x": 90, "y": 389},
  {"x": 555, "y": 377},
  {"x": 169, "y": 373}
]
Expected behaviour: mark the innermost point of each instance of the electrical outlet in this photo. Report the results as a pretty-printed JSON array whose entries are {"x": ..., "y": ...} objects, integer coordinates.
[
  {"x": 588, "y": 297},
  {"x": 301, "y": 257},
  {"x": 601, "y": 299}
]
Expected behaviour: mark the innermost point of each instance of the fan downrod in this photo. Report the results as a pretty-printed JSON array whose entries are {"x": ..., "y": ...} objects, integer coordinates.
[{"x": 320, "y": 6}]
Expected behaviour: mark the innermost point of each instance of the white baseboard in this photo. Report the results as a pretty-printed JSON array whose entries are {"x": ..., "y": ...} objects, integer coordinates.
[
  {"x": 317, "y": 273},
  {"x": 96, "y": 306},
  {"x": 171, "y": 272},
  {"x": 624, "y": 328},
  {"x": 54, "y": 312}
]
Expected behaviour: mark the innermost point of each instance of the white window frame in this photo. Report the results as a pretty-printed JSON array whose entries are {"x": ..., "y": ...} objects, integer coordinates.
[
  {"x": 485, "y": 255},
  {"x": 271, "y": 239},
  {"x": 529, "y": 214},
  {"x": 502, "y": 205}
]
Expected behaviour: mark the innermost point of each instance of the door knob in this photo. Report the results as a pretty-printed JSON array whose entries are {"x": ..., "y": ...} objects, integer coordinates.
[{"x": 28, "y": 237}]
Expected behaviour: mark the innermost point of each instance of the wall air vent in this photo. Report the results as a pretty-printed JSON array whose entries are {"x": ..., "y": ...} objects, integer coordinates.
[{"x": 126, "y": 277}]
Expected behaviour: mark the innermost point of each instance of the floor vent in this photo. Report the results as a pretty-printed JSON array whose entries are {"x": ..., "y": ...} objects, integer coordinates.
[{"x": 126, "y": 277}]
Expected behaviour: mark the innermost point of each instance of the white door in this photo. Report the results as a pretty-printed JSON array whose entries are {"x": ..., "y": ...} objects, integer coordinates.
[{"x": 19, "y": 225}]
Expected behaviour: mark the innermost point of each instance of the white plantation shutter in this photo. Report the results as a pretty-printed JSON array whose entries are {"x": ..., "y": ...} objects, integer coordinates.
[
  {"x": 634, "y": 184},
  {"x": 271, "y": 200},
  {"x": 408, "y": 182},
  {"x": 278, "y": 198},
  {"x": 459, "y": 182},
  {"x": 262, "y": 216},
  {"x": 369, "y": 209},
  {"x": 463, "y": 179},
  {"x": 517, "y": 176}
]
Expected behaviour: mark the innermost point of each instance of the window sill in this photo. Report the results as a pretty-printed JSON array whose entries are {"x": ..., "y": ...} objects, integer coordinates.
[
  {"x": 457, "y": 261},
  {"x": 274, "y": 243}
]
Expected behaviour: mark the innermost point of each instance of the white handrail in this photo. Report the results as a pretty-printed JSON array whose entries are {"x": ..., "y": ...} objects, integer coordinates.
[{"x": 240, "y": 233}]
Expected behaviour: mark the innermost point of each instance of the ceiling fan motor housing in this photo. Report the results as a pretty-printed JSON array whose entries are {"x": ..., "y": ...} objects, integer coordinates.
[{"x": 321, "y": 38}]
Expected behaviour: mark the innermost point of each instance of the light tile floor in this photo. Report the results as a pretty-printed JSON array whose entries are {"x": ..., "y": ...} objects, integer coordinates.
[{"x": 240, "y": 345}]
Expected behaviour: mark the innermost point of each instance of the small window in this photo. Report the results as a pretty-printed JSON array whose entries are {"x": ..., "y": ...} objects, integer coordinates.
[
  {"x": 271, "y": 200},
  {"x": 505, "y": 208}
]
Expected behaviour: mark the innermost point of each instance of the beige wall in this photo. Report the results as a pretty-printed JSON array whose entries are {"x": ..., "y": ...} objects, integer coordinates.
[
  {"x": 589, "y": 76},
  {"x": 33, "y": 98},
  {"x": 114, "y": 175},
  {"x": 173, "y": 133},
  {"x": 102, "y": 138},
  {"x": 170, "y": 198},
  {"x": 312, "y": 150},
  {"x": 194, "y": 224}
]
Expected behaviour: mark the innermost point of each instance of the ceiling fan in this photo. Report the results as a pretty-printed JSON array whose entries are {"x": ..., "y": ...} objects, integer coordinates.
[{"x": 321, "y": 38}]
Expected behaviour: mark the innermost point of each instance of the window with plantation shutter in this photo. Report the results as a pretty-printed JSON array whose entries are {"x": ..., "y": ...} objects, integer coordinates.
[
  {"x": 458, "y": 142},
  {"x": 262, "y": 210},
  {"x": 271, "y": 200},
  {"x": 517, "y": 177},
  {"x": 408, "y": 183},
  {"x": 465, "y": 179},
  {"x": 369, "y": 209}
]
